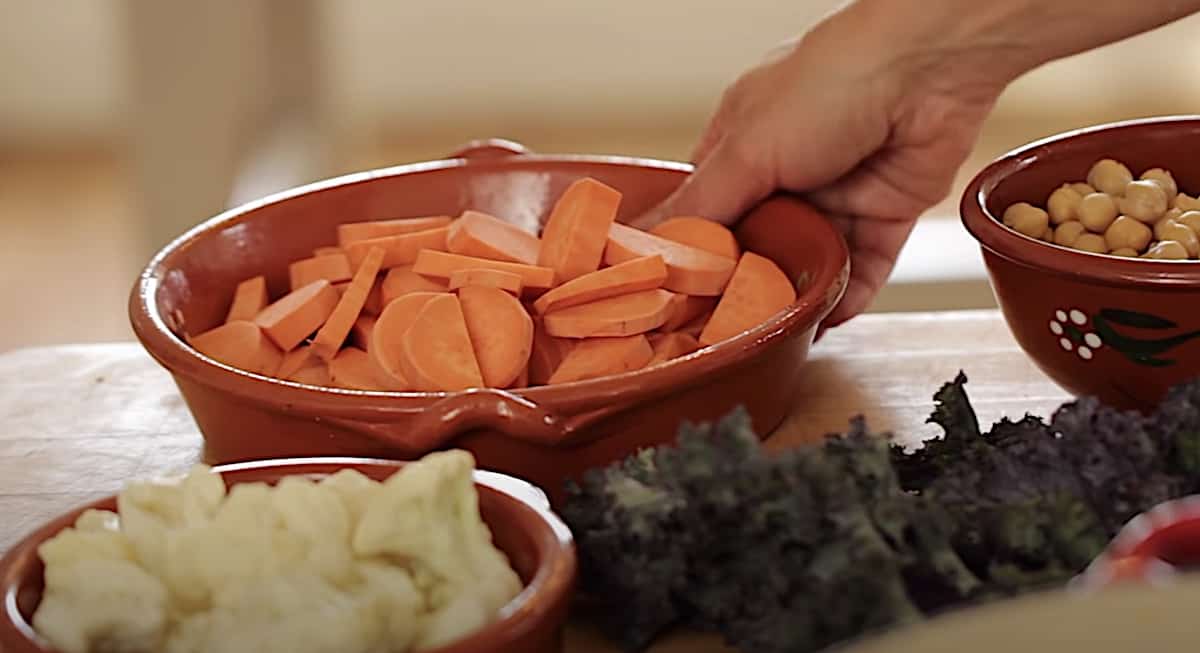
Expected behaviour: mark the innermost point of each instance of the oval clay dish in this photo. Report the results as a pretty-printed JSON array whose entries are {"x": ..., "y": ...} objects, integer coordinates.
[{"x": 543, "y": 434}]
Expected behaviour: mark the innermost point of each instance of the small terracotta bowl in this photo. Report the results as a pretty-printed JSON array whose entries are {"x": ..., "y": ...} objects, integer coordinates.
[
  {"x": 1124, "y": 330},
  {"x": 538, "y": 545},
  {"x": 543, "y": 434}
]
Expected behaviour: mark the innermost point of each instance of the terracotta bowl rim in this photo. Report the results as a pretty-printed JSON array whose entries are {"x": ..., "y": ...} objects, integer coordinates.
[
  {"x": 811, "y": 307},
  {"x": 997, "y": 239},
  {"x": 552, "y": 582}
]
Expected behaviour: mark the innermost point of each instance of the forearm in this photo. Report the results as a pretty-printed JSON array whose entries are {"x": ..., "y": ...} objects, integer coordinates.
[{"x": 1004, "y": 39}]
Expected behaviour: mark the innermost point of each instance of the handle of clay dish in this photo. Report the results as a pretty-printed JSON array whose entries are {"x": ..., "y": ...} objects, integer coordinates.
[
  {"x": 489, "y": 148},
  {"x": 437, "y": 425}
]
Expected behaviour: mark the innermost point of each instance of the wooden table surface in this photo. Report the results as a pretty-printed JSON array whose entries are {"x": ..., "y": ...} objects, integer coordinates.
[{"x": 80, "y": 420}]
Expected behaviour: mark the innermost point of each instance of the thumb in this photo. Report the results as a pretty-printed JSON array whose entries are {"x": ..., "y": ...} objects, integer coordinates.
[{"x": 724, "y": 185}]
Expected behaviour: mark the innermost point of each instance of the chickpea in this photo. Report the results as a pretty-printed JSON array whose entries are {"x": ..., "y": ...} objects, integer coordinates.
[
  {"x": 1066, "y": 233},
  {"x": 1144, "y": 201},
  {"x": 1048, "y": 234},
  {"x": 1186, "y": 203},
  {"x": 1127, "y": 232},
  {"x": 1171, "y": 214},
  {"x": 1083, "y": 189},
  {"x": 1167, "y": 249},
  {"x": 1027, "y": 219},
  {"x": 1109, "y": 176},
  {"x": 1097, "y": 211},
  {"x": 1191, "y": 220},
  {"x": 1125, "y": 251},
  {"x": 1093, "y": 243},
  {"x": 1175, "y": 232},
  {"x": 1062, "y": 205},
  {"x": 1163, "y": 178}
]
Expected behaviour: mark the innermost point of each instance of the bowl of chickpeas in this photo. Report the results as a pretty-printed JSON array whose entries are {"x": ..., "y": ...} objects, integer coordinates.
[{"x": 1091, "y": 240}]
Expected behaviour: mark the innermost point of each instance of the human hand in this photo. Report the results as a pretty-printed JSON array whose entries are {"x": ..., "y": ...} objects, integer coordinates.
[{"x": 872, "y": 135}]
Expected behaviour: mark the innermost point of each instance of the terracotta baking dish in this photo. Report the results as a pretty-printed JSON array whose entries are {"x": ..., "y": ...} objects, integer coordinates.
[
  {"x": 1121, "y": 329},
  {"x": 544, "y": 434},
  {"x": 538, "y": 545}
]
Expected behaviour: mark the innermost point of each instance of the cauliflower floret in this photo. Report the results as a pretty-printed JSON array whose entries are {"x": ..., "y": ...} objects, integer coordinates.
[
  {"x": 298, "y": 612},
  {"x": 98, "y": 520},
  {"x": 96, "y": 603},
  {"x": 149, "y": 509},
  {"x": 396, "y": 600},
  {"x": 355, "y": 490},
  {"x": 428, "y": 516},
  {"x": 316, "y": 517}
]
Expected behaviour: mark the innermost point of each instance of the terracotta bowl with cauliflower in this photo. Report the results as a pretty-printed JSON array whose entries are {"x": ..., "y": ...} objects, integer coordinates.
[{"x": 306, "y": 555}]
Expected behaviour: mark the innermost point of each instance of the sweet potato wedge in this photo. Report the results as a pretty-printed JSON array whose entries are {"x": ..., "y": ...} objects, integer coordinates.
[
  {"x": 547, "y": 354},
  {"x": 672, "y": 345},
  {"x": 241, "y": 344},
  {"x": 573, "y": 238},
  {"x": 332, "y": 335},
  {"x": 757, "y": 291},
  {"x": 596, "y": 357},
  {"x": 355, "y": 231},
  {"x": 484, "y": 236},
  {"x": 387, "y": 338},
  {"x": 501, "y": 333},
  {"x": 334, "y": 268},
  {"x": 402, "y": 280},
  {"x": 436, "y": 353},
  {"x": 644, "y": 273},
  {"x": 444, "y": 264},
  {"x": 623, "y": 315},
  {"x": 352, "y": 369},
  {"x": 685, "y": 309},
  {"x": 506, "y": 281},
  {"x": 701, "y": 233},
  {"x": 689, "y": 270},
  {"x": 296, "y": 315},
  {"x": 401, "y": 249},
  {"x": 249, "y": 298}
]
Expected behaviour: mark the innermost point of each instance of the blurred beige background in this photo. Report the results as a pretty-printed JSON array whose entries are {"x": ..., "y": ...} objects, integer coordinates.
[{"x": 123, "y": 122}]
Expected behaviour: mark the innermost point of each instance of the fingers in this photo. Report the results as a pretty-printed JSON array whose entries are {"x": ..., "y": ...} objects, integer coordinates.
[{"x": 728, "y": 182}]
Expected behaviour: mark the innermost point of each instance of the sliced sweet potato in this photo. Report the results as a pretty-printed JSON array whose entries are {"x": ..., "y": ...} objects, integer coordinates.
[
  {"x": 758, "y": 290},
  {"x": 623, "y": 315},
  {"x": 326, "y": 251},
  {"x": 685, "y": 309},
  {"x": 485, "y": 236},
  {"x": 596, "y": 357},
  {"x": 501, "y": 333},
  {"x": 573, "y": 238},
  {"x": 334, "y": 268},
  {"x": 701, "y": 233},
  {"x": 296, "y": 315},
  {"x": 689, "y": 270},
  {"x": 506, "y": 281},
  {"x": 352, "y": 369},
  {"x": 400, "y": 249},
  {"x": 360, "y": 333},
  {"x": 672, "y": 345},
  {"x": 249, "y": 298},
  {"x": 444, "y": 264},
  {"x": 696, "y": 326},
  {"x": 548, "y": 353},
  {"x": 644, "y": 273},
  {"x": 374, "y": 305},
  {"x": 356, "y": 231},
  {"x": 388, "y": 336},
  {"x": 435, "y": 352},
  {"x": 241, "y": 344},
  {"x": 402, "y": 280},
  {"x": 332, "y": 335},
  {"x": 315, "y": 372},
  {"x": 295, "y": 360}
]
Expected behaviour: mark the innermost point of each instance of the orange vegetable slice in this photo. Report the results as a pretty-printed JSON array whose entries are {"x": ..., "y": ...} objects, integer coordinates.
[
  {"x": 332, "y": 335},
  {"x": 689, "y": 270},
  {"x": 352, "y": 369},
  {"x": 436, "y": 352},
  {"x": 249, "y": 298},
  {"x": 485, "y": 236},
  {"x": 360, "y": 333},
  {"x": 573, "y": 238},
  {"x": 241, "y": 344},
  {"x": 596, "y": 357},
  {"x": 501, "y": 333},
  {"x": 296, "y": 315},
  {"x": 701, "y": 233},
  {"x": 402, "y": 280},
  {"x": 506, "y": 281},
  {"x": 326, "y": 251},
  {"x": 332, "y": 267},
  {"x": 644, "y": 273},
  {"x": 547, "y": 354},
  {"x": 757, "y": 291},
  {"x": 685, "y": 309},
  {"x": 387, "y": 338},
  {"x": 355, "y": 231},
  {"x": 444, "y": 264},
  {"x": 672, "y": 345},
  {"x": 623, "y": 315},
  {"x": 401, "y": 249}
]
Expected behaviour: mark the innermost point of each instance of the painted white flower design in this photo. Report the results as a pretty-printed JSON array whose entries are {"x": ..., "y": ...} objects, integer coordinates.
[{"x": 1068, "y": 321}]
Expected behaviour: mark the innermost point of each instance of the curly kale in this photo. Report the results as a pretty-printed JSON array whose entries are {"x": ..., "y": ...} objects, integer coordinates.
[{"x": 796, "y": 551}]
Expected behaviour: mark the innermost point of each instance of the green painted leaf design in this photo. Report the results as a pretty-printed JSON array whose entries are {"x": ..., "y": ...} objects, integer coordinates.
[
  {"x": 1136, "y": 319},
  {"x": 1073, "y": 333},
  {"x": 1137, "y": 346},
  {"x": 1151, "y": 361}
]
